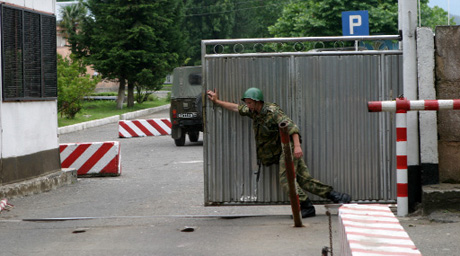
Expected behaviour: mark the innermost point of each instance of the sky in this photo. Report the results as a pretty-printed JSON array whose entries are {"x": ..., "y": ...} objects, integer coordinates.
[{"x": 454, "y": 5}]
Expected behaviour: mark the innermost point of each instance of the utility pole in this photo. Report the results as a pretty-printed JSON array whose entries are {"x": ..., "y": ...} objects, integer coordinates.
[
  {"x": 448, "y": 12},
  {"x": 408, "y": 26}
]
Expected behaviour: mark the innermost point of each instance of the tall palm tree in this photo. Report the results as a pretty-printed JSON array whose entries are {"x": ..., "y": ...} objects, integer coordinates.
[{"x": 72, "y": 15}]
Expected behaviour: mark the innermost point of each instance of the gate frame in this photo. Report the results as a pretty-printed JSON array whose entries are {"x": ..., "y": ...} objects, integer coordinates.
[{"x": 236, "y": 42}]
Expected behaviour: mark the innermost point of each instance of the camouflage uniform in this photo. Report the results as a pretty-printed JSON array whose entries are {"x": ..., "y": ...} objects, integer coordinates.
[{"x": 270, "y": 151}]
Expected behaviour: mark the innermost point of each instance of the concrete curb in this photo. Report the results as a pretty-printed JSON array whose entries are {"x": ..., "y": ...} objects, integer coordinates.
[
  {"x": 143, "y": 112},
  {"x": 108, "y": 120},
  {"x": 39, "y": 185},
  {"x": 443, "y": 197},
  {"x": 89, "y": 124}
]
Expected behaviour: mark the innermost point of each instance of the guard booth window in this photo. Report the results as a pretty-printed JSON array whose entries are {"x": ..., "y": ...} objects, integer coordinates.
[{"x": 29, "y": 69}]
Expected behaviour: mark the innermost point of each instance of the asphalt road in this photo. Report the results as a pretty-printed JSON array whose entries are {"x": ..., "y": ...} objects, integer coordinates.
[{"x": 156, "y": 208}]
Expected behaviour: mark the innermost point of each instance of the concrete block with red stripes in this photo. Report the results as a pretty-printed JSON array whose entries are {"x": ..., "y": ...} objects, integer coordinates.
[
  {"x": 92, "y": 158},
  {"x": 144, "y": 127},
  {"x": 373, "y": 230}
]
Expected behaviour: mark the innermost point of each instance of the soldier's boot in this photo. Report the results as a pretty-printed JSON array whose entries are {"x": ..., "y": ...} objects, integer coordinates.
[
  {"x": 307, "y": 209},
  {"x": 339, "y": 198}
]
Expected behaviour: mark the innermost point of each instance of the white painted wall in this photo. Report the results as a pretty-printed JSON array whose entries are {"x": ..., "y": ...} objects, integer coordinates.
[{"x": 28, "y": 127}]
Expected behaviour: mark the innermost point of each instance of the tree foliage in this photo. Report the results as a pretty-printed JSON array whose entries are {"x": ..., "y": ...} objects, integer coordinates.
[
  {"x": 73, "y": 85},
  {"x": 324, "y": 18},
  {"x": 206, "y": 19},
  {"x": 224, "y": 19},
  {"x": 252, "y": 18},
  {"x": 72, "y": 15},
  {"x": 432, "y": 17},
  {"x": 137, "y": 42}
]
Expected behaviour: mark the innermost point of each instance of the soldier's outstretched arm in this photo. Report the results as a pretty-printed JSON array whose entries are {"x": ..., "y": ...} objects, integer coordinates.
[
  {"x": 212, "y": 96},
  {"x": 297, "y": 148}
]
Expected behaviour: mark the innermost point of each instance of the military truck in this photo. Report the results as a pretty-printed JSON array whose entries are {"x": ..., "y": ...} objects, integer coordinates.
[{"x": 186, "y": 104}]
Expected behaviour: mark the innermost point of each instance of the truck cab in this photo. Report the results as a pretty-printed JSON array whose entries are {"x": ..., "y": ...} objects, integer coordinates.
[{"x": 186, "y": 104}]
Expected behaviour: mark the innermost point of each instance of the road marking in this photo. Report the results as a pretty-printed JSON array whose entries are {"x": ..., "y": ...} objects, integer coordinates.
[{"x": 189, "y": 162}]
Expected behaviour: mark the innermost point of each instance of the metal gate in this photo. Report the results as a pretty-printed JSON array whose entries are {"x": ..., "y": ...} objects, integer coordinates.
[{"x": 324, "y": 86}]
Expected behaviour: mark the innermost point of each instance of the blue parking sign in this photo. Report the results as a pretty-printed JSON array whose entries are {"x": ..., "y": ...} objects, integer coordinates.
[{"x": 355, "y": 23}]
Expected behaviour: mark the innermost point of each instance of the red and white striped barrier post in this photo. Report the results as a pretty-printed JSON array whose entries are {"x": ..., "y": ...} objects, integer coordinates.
[
  {"x": 401, "y": 163},
  {"x": 401, "y": 106}
]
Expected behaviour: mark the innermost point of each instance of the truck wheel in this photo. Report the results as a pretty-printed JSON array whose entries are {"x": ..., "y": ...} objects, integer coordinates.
[
  {"x": 181, "y": 140},
  {"x": 193, "y": 136}
]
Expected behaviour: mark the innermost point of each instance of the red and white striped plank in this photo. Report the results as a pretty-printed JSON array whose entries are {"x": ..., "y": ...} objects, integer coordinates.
[
  {"x": 373, "y": 230},
  {"x": 408, "y": 105},
  {"x": 144, "y": 127},
  {"x": 92, "y": 159}
]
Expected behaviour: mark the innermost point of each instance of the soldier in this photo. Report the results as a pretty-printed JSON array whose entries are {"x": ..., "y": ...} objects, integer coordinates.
[{"x": 266, "y": 118}]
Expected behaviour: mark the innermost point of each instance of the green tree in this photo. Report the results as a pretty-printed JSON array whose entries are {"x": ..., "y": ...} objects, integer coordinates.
[
  {"x": 72, "y": 15},
  {"x": 206, "y": 19},
  {"x": 137, "y": 42},
  {"x": 432, "y": 17},
  {"x": 324, "y": 18},
  {"x": 223, "y": 19},
  {"x": 252, "y": 18},
  {"x": 73, "y": 85}
]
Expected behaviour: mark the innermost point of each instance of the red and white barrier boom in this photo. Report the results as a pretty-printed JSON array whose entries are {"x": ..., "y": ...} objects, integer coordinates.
[{"x": 401, "y": 106}]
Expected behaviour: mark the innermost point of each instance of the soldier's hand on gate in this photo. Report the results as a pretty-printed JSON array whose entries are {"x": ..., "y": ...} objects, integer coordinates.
[{"x": 212, "y": 95}]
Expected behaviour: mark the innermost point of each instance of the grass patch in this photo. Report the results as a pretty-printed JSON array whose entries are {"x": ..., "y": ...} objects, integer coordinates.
[
  {"x": 166, "y": 87},
  {"x": 97, "y": 109},
  {"x": 104, "y": 94}
]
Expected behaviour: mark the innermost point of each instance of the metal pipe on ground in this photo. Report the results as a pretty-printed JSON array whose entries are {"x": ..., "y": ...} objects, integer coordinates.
[{"x": 290, "y": 174}]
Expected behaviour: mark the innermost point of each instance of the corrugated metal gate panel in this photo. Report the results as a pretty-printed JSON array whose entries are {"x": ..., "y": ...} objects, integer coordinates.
[{"x": 326, "y": 95}]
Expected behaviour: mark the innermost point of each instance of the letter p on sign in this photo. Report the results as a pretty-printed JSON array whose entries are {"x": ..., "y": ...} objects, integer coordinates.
[{"x": 355, "y": 23}]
